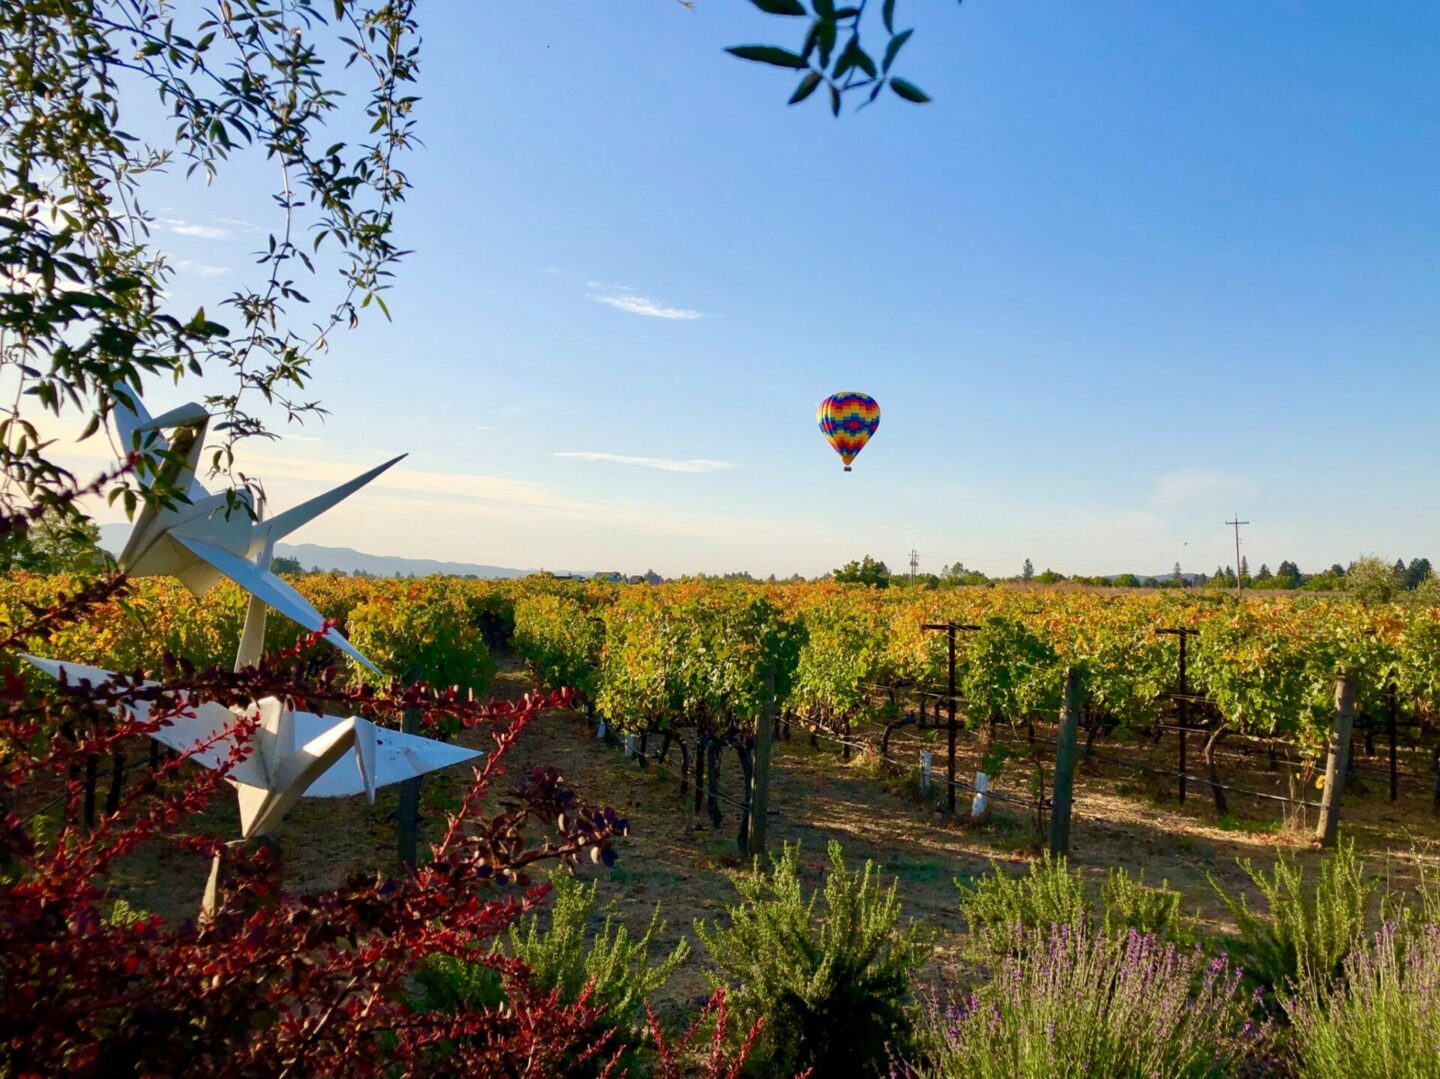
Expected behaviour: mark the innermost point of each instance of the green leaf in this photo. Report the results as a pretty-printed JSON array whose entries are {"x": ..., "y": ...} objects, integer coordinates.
[
  {"x": 909, "y": 91},
  {"x": 827, "y": 34},
  {"x": 780, "y": 7},
  {"x": 806, "y": 87},
  {"x": 768, "y": 54},
  {"x": 824, "y": 8},
  {"x": 853, "y": 56},
  {"x": 812, "y": 38},
  {"x": 834, "y": 101},
  {"x": 888, "y": 12},
  {"x": 893, "y": 49}
]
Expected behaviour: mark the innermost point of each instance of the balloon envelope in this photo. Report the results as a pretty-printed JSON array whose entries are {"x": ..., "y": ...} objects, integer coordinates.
[{"x": 847, "y": 420}]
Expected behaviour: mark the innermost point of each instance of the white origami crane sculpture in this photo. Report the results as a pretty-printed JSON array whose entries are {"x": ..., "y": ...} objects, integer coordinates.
[
  {"x": 295, "y": 753},
  {"x": 201, "y": 542}
]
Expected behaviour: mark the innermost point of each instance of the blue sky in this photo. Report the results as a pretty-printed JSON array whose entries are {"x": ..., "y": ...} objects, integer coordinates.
[{"x": 1139, "y": 265}]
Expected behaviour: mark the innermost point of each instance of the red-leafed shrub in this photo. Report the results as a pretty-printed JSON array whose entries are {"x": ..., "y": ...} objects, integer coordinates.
[{"x": 274, "y": 983}]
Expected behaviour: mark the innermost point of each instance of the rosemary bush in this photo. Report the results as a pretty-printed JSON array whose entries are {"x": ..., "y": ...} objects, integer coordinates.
[
  {"x": 1051, "y": 893},
  {"x": 1130, "y": 903},
  {"x": 833, "y": 983},
  {"x": 1307, "y": 931},
  {"x": 563, "y": 955}
]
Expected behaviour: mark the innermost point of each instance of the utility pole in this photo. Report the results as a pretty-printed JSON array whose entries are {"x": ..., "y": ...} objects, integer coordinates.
[
  {"x": 1236, "y": 525},
  {"x": 914, "y": 563}
]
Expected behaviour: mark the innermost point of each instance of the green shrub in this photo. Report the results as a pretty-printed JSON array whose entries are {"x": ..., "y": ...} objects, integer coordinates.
[
  {"x": 122, "y": 912},
  {"x": 561, "y": 955},
  {"x": 1306, "y": 933},
  {"x": 1070, "y": 1002},
  {"x": 1416, "y": 909},
  {"x": 833, "y": 986},
  {"x": 1383, "y": 1022},
  {"x": 1130, "y": 903},
  {"x": 997, "y": 904}
]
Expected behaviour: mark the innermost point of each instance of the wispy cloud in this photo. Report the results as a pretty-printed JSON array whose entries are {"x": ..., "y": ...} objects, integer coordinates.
[
  {"x": 664, "y": 464},
  {"x": 181, "y": 227},
  {"x": 200, "y": 269},
  {"x": 626, "y": 299},
  {"x": 1175, "y": 489}
]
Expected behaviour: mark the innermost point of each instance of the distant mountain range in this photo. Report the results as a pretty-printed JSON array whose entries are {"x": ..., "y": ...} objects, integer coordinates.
[{"x": 348, "y": 560}]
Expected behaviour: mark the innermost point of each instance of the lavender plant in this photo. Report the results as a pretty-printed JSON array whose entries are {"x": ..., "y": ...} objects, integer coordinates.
[
  {"x": 1382, "y": 1021},
  {"x": 1071, "y": 1002}
]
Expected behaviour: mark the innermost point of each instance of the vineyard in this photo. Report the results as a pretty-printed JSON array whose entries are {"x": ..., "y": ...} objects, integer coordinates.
[
  {"x": 866, "y": 691},
  {"x": 685, "y": 671}
]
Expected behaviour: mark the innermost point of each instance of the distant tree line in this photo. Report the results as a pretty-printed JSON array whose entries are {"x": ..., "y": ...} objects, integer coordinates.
[{"x": 1369, "y": 578}]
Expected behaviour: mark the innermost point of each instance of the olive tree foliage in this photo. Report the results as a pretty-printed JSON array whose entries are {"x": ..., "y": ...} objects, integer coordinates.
[
  {"x": 84, "y": 315},
  {"x": 833, "y": 50},
  {"x": 1372, "y": 580}
]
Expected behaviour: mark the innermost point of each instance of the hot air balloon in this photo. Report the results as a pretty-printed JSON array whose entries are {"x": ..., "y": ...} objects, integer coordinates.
[{"x": 847, "y": 420}]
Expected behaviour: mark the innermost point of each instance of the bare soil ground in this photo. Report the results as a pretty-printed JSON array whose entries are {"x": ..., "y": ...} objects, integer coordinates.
[{"x": 679, "y": 861}]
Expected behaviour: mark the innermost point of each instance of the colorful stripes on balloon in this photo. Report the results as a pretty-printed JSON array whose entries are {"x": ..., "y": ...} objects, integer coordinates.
[{"x": 847, "y": 420}]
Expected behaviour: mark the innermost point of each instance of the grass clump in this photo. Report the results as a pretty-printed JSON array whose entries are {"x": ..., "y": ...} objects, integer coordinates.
[{"x": 830, "y": 972}]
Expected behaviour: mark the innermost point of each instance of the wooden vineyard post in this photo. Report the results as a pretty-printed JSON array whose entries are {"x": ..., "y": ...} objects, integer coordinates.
[
  {"x": 407, "y": 813},
  {"x": 699, "y": 771},
  {"x": 117, "y": 781},
  {"x": 1066, "y": 742},
  {"x": 760, "y": 780},
  {"x": 92, "y": 777},
  {"x": 1335, "y": 761},
  {"x": 1394, "y": 775}
]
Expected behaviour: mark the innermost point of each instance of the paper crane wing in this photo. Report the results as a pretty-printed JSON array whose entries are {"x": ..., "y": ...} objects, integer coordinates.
[
  {"x": 282, "y": 524},
  {"x": 182, "y": 731},
  {"x": 397, "y": 756},
  {"x": 293, "y": 754},
  {"x": 318, "y": 768},
  {"x": 264, "y": 585}
]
